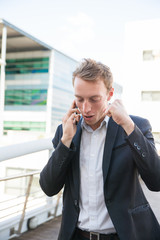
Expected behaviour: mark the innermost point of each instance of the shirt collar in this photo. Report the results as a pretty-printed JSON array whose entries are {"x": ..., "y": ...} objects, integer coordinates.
[{"x": 89, "y": 129}]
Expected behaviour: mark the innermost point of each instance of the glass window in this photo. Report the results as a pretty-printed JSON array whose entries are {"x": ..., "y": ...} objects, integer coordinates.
[
  {"x": 151, "y": 55},
  {"x": 150, "y": 95},
  {"x": 27, "y": 65},
  {"x": 62, "y": 87},
  {"x": 26, "y": 97},
  {"x": 25, "y": 126}
]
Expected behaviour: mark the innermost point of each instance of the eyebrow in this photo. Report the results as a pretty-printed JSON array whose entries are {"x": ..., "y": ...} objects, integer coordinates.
[{"x": 89, "y": 97}]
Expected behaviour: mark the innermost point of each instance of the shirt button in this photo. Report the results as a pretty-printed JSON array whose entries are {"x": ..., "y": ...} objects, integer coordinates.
[
  {"x": 144, "y": 154},
  {"x": 75, "y": 202}
]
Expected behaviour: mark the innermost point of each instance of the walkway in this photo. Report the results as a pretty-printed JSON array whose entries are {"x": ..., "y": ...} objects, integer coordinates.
[
  {"x": 46, "y": 231},
  {"x": 49, "y": 230}
]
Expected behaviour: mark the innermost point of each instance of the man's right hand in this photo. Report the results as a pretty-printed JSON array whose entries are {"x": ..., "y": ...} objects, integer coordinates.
[{"x": 69, "y": 124}]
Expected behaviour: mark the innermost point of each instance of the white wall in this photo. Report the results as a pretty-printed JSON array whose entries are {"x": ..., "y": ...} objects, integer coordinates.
[{"x": 142, "y": 75}]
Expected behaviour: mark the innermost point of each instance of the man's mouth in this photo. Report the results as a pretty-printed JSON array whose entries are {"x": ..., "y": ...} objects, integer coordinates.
[{"x": 88, "y": 117}]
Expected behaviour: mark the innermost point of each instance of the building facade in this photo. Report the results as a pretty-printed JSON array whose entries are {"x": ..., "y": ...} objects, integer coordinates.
[
  {"x": 35, "y": 92},
  {"x": 37, "y": 88},
  {"x": 141, "y": 91},
  {"x": 37, "y": 83}
]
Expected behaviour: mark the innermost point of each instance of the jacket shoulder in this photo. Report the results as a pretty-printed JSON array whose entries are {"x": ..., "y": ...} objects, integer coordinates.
[{"x": 142, "y": 123}]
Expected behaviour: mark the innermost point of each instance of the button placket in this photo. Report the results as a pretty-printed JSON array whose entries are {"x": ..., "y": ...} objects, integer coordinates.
[{"x": 92, "y": 183}]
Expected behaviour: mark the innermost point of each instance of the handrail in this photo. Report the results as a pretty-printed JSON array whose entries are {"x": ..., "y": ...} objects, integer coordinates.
[
  {"x": 19, "y": 176},
  {"x": 25, "y": 200},
  {"x": 25, "y": 148},
  {"x": 26, "y": 195},
  {"x": 22, "y": 209},
  {"x": 30, "y": 147},
  {"x": 156, "y": 141}
]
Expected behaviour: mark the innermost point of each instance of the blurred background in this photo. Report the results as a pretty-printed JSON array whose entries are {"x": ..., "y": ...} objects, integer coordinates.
[{"x": 41, "y": 42}]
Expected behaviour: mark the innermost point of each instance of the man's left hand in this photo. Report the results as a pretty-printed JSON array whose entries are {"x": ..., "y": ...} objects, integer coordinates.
[{"x": 120, "y": 116}]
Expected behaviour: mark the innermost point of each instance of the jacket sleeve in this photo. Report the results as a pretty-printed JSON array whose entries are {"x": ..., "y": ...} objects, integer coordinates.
[
  {"x": 145, "y": 154},
  {"x": 52, "y": 177}
]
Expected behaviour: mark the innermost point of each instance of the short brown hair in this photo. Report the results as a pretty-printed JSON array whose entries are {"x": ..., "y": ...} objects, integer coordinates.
[{"x": 90, "y": 70}]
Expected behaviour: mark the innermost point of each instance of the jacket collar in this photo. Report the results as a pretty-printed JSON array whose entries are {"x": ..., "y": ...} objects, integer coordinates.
[
  {"x": 75, "y": 162},
  {"x": 108, "y": 147},
  {"x": 109, "y": 143}
]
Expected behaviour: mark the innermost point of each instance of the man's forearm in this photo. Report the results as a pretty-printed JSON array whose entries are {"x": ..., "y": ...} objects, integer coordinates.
[
  {"x": 66, "y": 142},
  {"x": 128, "y": 126}
]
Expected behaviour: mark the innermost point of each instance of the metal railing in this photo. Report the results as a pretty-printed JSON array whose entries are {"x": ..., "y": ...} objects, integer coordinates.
[
  {"x": 23, "y": 203},
  {"x": 25, "y": 199},
  {"x": 9, "y": 152},
  {"x": 32, "y": 202}
]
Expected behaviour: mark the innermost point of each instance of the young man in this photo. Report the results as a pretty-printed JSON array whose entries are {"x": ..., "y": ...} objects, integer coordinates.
[{"x": 97, "y": 159}]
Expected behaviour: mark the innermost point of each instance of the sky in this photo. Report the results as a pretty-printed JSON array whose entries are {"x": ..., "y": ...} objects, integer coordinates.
[{"x": 81, "y": 29}]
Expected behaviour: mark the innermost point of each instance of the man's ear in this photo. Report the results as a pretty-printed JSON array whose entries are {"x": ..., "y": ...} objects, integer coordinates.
[{"x": 110, "y": 94}]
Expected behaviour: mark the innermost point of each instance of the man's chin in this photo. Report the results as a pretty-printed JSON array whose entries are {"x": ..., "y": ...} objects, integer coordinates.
[{"x": 93, "y": 124}]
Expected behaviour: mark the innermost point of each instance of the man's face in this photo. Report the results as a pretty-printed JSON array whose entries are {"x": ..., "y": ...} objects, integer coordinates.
[{"x": 92, "y": 99}]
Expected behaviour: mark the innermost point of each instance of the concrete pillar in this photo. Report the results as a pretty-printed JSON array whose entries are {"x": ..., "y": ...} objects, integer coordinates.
[
  {"x": 50, "y": 95},
  {"x": 2, "y": 80}
]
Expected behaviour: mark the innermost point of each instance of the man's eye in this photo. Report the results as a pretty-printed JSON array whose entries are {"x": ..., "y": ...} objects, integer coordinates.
[
  {"x": 95, "y": 99},
  {"x": 80, "y": 100}
]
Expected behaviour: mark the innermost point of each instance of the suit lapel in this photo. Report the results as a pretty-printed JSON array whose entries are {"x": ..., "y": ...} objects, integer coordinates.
[
  {"x": 109, "y": 143},
  {"x": 75, "y": 162}
]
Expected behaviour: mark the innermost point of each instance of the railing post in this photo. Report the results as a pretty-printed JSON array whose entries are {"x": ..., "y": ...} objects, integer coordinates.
[{"x": 25, "y": 204}]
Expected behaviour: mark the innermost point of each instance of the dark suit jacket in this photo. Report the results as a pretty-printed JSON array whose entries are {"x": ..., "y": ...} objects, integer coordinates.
[{"x": 124, "y": 158}]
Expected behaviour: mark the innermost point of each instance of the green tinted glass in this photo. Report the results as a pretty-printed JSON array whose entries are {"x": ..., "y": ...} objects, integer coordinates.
[
  {"x": 26, "y": 97},
  {"x": 29, "y": 65},
  {"x": 25, "y": 126}
]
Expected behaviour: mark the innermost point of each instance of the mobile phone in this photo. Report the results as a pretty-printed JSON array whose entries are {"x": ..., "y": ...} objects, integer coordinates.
[{"x": 76, "y": 114}]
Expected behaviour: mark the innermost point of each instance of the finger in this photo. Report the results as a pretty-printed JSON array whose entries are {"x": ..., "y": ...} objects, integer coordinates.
[
  {"x": 72, "y": 118},
  {"x": 70, "y": 112},
  {"x": 73, "y": 108},
  {"x": 69, "y": 116},
  {"x": 73, "y": 105},
  {"x": 108, "y": 114},
  {"x": 107, "y": 110},
  {"x": 77, "y": 117},
  {"x": 76, "y": 110}
]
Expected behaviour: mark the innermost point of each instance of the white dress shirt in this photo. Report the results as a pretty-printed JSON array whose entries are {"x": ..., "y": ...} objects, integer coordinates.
[{"x": 93, "y": 212}]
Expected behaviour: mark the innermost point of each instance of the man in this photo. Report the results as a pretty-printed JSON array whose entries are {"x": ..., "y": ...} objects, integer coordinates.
[{"x": 98, "y": 159}]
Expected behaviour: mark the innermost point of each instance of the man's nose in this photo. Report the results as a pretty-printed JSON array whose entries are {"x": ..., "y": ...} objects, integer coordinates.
[{"x": 86, "y": 107}]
